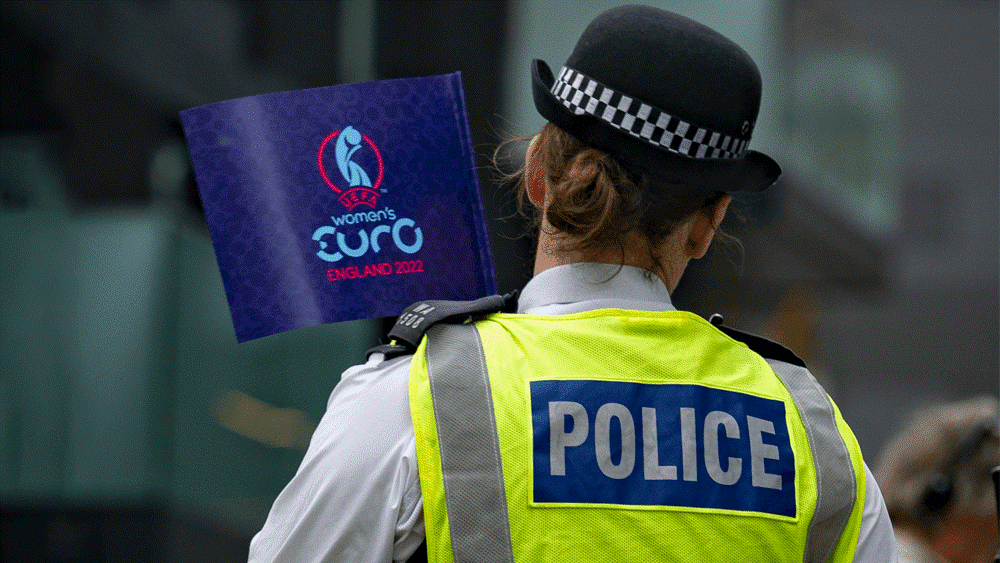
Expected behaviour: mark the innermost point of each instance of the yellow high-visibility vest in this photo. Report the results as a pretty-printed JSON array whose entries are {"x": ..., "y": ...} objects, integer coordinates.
[{"x": 617, "y": 435}]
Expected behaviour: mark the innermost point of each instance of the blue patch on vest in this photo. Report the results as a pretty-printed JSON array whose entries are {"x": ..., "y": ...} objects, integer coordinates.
[{"x": 640, "y": 444}]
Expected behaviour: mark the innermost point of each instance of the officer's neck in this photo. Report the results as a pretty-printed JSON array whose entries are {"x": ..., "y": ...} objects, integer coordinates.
[{"x": 551, "y": 252}]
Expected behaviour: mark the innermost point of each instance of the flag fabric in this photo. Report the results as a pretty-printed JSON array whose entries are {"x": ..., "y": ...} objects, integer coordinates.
[{"x": 341, "y": 203}]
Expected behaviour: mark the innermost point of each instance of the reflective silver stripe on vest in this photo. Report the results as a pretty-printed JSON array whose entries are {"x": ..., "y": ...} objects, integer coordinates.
[
  {"x": 836, "y": 489},
  {"x": 474, "y": 490}
]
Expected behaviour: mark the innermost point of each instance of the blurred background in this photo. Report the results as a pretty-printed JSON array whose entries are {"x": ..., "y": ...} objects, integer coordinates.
[{"x": 133, "y": 427}]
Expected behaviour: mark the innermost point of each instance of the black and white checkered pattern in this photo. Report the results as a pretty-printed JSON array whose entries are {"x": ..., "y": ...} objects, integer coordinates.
[{"x": 582, "y": 94}]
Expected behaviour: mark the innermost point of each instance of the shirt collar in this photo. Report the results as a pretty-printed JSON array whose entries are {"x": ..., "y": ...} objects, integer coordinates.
[{"x": 574, "y": 288}]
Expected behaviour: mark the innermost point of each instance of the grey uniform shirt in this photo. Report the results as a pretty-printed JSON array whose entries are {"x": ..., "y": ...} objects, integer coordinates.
[{"x": 356, "y": 495}]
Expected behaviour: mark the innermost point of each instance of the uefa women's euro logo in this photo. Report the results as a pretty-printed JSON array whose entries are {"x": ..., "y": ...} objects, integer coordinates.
[
  {"x": 357, "y": 187},
  {"x": 362, "y": 233}
]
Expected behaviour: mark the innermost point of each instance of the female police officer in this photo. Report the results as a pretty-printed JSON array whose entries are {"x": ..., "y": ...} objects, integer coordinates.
[{"x": 597, "y": 423}]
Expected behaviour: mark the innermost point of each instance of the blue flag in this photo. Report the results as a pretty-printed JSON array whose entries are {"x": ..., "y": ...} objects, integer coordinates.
[{"x": 341, "y": 203}]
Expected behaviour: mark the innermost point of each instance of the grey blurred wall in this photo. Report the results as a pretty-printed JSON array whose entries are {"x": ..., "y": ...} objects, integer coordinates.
[{"x": 934, "y": 334}]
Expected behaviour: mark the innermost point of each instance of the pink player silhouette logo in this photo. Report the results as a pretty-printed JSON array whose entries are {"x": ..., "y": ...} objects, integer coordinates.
[{"x": 357, "y": 187}]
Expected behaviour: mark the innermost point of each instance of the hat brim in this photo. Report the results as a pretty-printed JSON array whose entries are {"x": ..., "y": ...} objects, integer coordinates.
[{"x": 754, "y": 171}]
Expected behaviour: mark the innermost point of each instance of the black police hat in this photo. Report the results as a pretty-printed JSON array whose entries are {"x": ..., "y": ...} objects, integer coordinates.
[{"x": 662, "y": 94}]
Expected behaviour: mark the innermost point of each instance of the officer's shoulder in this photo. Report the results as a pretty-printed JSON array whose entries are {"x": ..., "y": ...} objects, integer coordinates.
[
  {"x": 413, "y": 323},
  {"x": 378, "y": 367},
  {"x": 769, "y": 349}
]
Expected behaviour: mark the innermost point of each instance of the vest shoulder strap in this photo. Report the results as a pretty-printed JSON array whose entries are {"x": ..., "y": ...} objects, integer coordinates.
[
  {"x": 836, "y": 479},
  {"x": 406, "y": 334},
  {"x": 769, "y": 349}
]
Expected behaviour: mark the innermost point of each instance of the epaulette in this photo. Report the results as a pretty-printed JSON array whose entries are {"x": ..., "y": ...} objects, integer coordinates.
[
  {"x": 416, "y": 319},
  {"x": 766, "y": 348}
]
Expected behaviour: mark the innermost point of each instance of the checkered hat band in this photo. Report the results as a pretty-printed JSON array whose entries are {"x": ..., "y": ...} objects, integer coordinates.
[{"x": 583, "y": 95}]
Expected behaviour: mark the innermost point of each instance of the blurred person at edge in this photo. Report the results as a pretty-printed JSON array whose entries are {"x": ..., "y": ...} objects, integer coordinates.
[
  {"x": 591, "y": 420},
  {"x": 935, "y": 475}
]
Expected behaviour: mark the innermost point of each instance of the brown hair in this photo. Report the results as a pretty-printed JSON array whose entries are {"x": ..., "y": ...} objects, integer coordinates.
[
  {"x": 932, "y": 442},
  {"x": 596, "y": 202}
]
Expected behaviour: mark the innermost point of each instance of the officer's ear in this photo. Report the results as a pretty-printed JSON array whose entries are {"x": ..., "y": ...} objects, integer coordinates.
[
  {"x": 703, "y": 226},
  {"x": 534, "y": 174}
]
